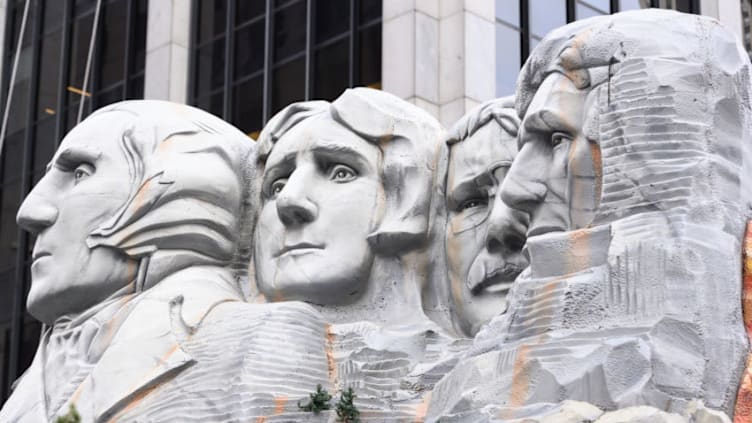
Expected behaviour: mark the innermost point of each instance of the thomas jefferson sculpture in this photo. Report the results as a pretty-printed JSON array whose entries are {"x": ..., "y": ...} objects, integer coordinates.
[
  {"x": 634, "y": 151},
  {"x": 348, "y": 200}
]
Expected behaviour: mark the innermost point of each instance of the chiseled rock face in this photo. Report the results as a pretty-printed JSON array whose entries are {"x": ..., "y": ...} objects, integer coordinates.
[
  {"x": 483, "y": 236},
  {"x": 633, "y": 167}
]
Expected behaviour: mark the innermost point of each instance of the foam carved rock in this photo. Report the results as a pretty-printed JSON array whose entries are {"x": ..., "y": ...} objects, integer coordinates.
[{"x": 633, "y": 162}]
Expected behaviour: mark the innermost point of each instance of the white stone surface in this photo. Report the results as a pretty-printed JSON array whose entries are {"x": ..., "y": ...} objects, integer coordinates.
[
  {"x": 480, "y": 58},
  {"x": 632, "y": 168},
  {"x": 167, "y": 39},
  {"x": 426, "y": 57},
  {"x": 398, "y": 59},
  {"x": 451, "y": 60}
]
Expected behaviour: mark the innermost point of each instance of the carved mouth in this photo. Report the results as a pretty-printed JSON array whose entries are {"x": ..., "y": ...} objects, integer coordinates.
[
  {"x": 39, "y": 254},
  {"x": 498, "y": 280},
  {"x": 540, "y": 230},
  {"x": 299, "y": 248}
]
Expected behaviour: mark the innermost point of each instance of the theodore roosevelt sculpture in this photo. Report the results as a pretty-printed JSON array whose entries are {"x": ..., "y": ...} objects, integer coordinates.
[
  {"x": 635, "y": 146},
  {"x": 138, "y": 229},
  {"x": 484, "y": 237},
  {"x": 348, "y": 198}
]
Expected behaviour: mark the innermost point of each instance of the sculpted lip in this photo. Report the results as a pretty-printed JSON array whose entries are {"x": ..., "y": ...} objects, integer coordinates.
[
  {"x": 39, "y": 254},
  {"x": 299, "y": 246}
]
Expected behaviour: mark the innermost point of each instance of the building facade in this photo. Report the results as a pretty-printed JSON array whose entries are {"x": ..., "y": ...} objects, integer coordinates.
[{"x": 244, "y": 60}]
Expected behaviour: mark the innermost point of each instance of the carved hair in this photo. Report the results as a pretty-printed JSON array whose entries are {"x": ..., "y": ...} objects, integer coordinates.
[
  {"x": 189, "y": 172},
  {"x": 407, "y": 137},
  {"x": 500, "y": 110}
]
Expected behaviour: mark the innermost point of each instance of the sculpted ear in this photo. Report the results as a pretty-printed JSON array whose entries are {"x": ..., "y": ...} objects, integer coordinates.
[{"x": 410, "y": 141}]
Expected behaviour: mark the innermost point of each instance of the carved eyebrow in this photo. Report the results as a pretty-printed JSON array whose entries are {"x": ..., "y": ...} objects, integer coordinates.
[
  {"x": 74, "y": 155},
  {"x": 338, "y": 151},
  {"x": 542, "y": 121}
]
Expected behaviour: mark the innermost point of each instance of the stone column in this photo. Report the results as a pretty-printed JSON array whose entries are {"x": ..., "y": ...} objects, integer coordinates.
[
  {"x": 167, "y": 35},
  {"x": 439, "y": 54}
]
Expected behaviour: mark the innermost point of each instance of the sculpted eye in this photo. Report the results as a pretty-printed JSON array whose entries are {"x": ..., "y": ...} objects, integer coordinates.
[
  {"x": 277, "y": 186},
  {"x": 342, "y": 173},
  {"x": 558, "y": 138},
  {"x": 82, "y": 172},
  {"x": 473, "y": 203}
]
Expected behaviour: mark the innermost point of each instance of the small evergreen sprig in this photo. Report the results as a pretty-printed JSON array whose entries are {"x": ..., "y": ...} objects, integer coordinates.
[
  {"x": 346, "y": 410},
  {"x": 318, "y": 401},
  {"x": 71, "y": 417}
]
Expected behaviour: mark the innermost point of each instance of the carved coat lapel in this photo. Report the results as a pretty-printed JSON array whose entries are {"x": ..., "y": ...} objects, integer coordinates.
[{"x": 147, "y": 350}]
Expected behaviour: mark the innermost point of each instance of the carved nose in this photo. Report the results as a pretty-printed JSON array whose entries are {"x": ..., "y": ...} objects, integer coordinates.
[
  {"x": 506, "y": 228},
  {"x": 36, "y": 214},
  {"x": 294, "y": 210}
]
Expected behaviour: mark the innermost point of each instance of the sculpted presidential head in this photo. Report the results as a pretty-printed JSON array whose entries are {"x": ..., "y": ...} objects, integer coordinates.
[
  {"x": 137, "y": 191},
  {"x": 343, "y": 183},
  {"x": 484, "y": 237}
]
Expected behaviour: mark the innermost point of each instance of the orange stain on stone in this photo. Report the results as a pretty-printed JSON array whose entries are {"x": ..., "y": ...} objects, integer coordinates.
[
  {"x": 279, "y": 404},
  {"x": 743, "y": 410},
  {"x": 330, "y": 362},
  {"x": 422, "y": 408},
  {"x": 261, "y": 419},
  {"x": 520, "y": 379}
]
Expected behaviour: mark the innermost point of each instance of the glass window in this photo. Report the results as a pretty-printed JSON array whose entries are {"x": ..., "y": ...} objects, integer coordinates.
[
  {"x": 583, "y": 11},
  {"x": 79, "y": 52},
  {"x": 332, "y": 73},
  {"x": 602, "y": 6},
  {"x": 112, "y": 42},
  {"x": 49, "y": 69},
  {"x": 629, "y": 5},
  {"x": 369, "y": 10},
  {"x": 370, "y": 56},
  {"x": 249, "y": 9},
  {"x": 210, "y": 66},
  {"x": 288, "y": 84},
  {"x": 332, "y": 19},
  {"x": 212, "y": 104},
  {"x": 44, "y": 144},
  {"x": 10, "y": 196},
  {"x": 546, "y": 15},
  {"x": 248, "y": 104},
  {"x": 507, "y": 59},
  {"x": 212, "y": 17},
  {"x": 249, "y": 49},
  {"x": 508, "y": 11},
  {"x": 289, "y": 30}
]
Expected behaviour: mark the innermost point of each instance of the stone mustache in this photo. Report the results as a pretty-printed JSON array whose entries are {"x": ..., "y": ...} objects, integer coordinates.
[{"x": 581, "y": 240}]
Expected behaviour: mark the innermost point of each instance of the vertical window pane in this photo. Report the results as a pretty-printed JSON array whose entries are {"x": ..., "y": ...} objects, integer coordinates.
[
  {"x": 288, "y": 84},
  {"x": 369, "y": 10},
  {"x": 289, "y": 30},
  {"x": 44, "y": 144},
  {"x": 212, "y": 104},
  {"x": 49, "y": 70},
  {"x": 507, "y": 59},
  {"x": 508, "y": 11},
  {"x": 602, "y": 6},
  {"x": 211, "y": 18},
  {"x": 210, "y": 66},
  {"x": 112, "y": 42},
  {"x": 249, "y": 49},
  {"x": 79, "y": 51},
  {"x": 331, "y": 70},
  {"x": 370, "y": 56},
  {"x": 11, "y": 158},
  {"x": 136, "y": 88},
  {"x": 18, "y": 110},
  {"x": 10, "y": 195},
  {"x": 332, "y": 18},
  {"x": 246, "y": 10},
  {"x": 583, "y": 11},
  {"x": 139, "y": 38},
  {"x": 546, "y": 15},
  {"x": 629, "y": 5},
  {"x": 53, "y": 14},
  {"x": 248, "y": 99}
]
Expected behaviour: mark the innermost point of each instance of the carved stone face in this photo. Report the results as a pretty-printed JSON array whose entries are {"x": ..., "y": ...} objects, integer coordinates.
[
  {"x": 321, "y": 193},
  {"x": 86, "y": 183},
  {"x": 484, "y": 237},
  {"x": 555, "y": 178}
]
